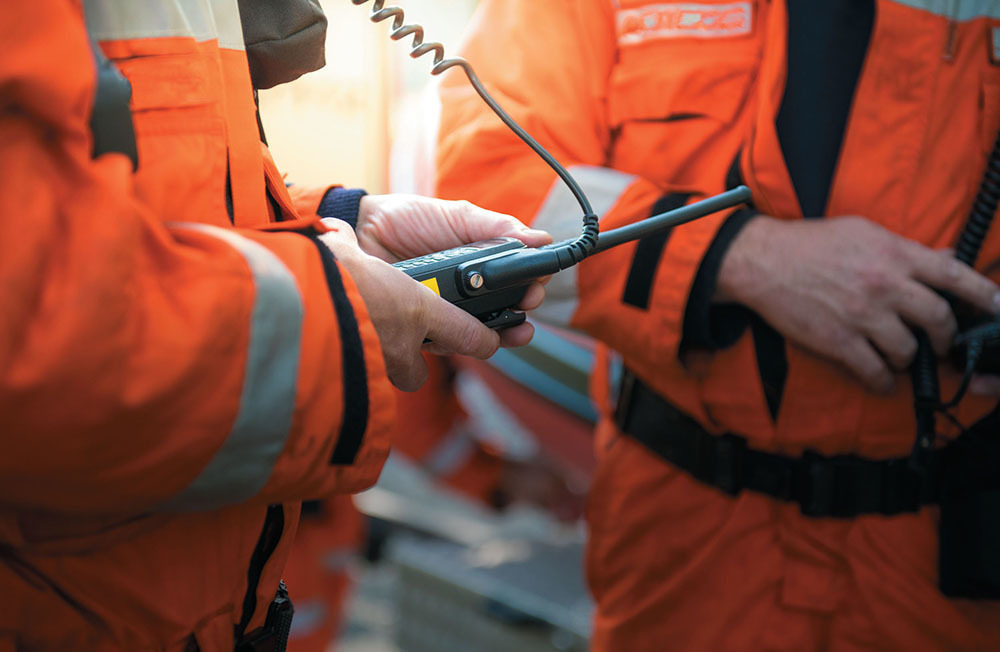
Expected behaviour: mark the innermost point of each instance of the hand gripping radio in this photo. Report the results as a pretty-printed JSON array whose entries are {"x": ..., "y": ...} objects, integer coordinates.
[{"x": 489, "y": 278}]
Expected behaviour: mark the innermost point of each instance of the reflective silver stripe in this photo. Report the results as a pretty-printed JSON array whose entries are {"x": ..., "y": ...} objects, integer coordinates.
[
  {"x": 561, "y": 216},
  {"x": 202, "y": 20},
  {"x": 242, "y": 466},
  {"x": 452, "y": 452},
  {"x": 960, "y": 10}
]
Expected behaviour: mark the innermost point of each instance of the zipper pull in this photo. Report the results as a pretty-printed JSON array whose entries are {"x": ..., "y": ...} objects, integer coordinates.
[{"x": 949, "y": 44}]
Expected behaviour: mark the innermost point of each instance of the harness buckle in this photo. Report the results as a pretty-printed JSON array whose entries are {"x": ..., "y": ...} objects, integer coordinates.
[
  {"x": 729, "y": 463},
  {"x": 826, "y": 486}
]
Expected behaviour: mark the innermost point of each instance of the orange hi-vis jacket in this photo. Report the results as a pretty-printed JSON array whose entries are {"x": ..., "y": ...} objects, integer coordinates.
[
  {"x": 435, "y": 434},
  {"x": 649, "y": 102},
  {"x": 171, "y": 387}
]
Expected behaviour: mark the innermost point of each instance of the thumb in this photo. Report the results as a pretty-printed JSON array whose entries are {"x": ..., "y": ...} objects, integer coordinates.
[
  {"x": 482, "y": 224},
  {"x": 530, "y": 237}
]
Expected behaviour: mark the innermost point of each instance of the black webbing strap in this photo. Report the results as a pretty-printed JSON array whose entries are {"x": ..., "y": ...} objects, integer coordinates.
[
  {"x": 648, "y": 251},
  {"x": 840, "y": 486},
  {"x": 111, "y": 118}
]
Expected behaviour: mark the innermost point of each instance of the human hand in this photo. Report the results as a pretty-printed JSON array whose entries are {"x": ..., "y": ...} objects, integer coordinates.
[
  {"x": 985, "y": 385},
  {"x": 396, "y": 227},
  {"x": 405, "y": 313},
  {"x": 849, "y": 290}
]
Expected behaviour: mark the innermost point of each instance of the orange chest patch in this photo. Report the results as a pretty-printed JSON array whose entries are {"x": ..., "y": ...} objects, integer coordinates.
[{"x": 675, "y": 20}]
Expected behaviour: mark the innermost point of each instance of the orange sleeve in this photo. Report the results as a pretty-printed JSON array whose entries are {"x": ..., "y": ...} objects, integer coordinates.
[
  {"x": 150, "y": 366},
  {"x": 554, "y": 66},
  {"x": 307, "y": 198}
]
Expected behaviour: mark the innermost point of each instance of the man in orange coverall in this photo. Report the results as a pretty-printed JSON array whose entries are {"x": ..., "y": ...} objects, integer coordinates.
[
  {"x": 176, "y": 376},
  {"x": 789, "y": 334}
]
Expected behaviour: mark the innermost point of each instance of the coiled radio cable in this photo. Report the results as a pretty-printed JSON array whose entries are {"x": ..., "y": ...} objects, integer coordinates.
[
  {"x": 579, "y": 248},
  {"x": 927, "y": 397}
]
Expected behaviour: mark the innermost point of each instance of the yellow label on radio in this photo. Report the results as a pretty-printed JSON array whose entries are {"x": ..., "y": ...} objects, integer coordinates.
[{"x": 432, "y": 283}]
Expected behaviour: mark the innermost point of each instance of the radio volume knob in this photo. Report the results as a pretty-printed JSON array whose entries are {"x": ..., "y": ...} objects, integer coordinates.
[{"x": 474, "y": 280}]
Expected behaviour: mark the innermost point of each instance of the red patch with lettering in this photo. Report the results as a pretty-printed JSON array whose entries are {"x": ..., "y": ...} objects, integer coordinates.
[{"x": 683, "y": 20}]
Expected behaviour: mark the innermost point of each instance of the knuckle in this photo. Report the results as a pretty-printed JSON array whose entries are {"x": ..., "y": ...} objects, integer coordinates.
[
  {"x": 841, "y": 339},
  {"x": 903, "y": 353},
  {"x": 940, "y": 312},
  {"x": 951, "y": 269},
  {"x": 858, "y": 309},
  {"x": 465, "y": 208},
  {"x": 875, "y": 279},
  {"x": 897, "y": 250},
  {"x": 843, "y": 345},
  {"x": 904, "y": 255},
  {"x": 470, "y": 341},
  {"x": 864, "y": 230},
  {"x": 417, "y": 310}
]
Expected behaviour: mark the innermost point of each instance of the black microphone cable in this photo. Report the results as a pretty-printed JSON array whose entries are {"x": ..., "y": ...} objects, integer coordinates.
[
  {"x": 923, "y": 371},
  {"x": 574, "y": 251}
]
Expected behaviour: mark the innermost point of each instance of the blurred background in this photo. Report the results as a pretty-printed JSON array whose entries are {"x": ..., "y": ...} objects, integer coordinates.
[
  {"x": 347, "y": 122},
  {"x": 434, "y": 569}
]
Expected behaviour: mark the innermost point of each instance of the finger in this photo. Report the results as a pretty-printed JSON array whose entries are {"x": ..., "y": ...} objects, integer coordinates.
[
  {"x": 894, "y": 340},
  {"x": 985, "y": 385},
  {"x": 533, "y": 297},
  {"x": 921, "y": 306},
  {"x": 339, "y": 230},
  {"x": 436, "y": 349},
  {"x": 940, "y": 271},
  {"x": 412, "y": 376},
  {"x": 457, "y": 330},
  {"x": 519, "y": 335},
  {"x": 510, "y": 338},
  {"x": 859, "y": 356},
  {"x": 481, "y": 224},
  {"x": 530, "y": 237}
]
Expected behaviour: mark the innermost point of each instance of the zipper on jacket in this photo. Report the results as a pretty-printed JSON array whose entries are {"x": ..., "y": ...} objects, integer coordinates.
[
  {"x": 270, "y": 535},
  {"x": 949, "y": 44}
]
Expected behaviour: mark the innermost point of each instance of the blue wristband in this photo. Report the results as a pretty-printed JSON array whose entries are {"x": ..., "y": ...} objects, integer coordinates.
[{"x": 342, "y": 203}]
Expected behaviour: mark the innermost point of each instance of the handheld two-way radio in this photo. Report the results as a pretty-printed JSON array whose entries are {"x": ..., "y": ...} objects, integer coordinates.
[{"x": 489, "y": 278}]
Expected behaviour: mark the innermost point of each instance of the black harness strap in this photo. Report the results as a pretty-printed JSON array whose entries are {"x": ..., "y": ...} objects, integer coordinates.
[
  {"x": 111, "y": 119},
  {"x": 840, "y": 486},
  {"x": 648, "y": 252}
]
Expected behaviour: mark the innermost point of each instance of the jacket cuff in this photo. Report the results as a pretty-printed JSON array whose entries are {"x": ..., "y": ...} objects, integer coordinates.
[
  {"x": 342, "y": 203},
  {"x": 707, "y": 325}
]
